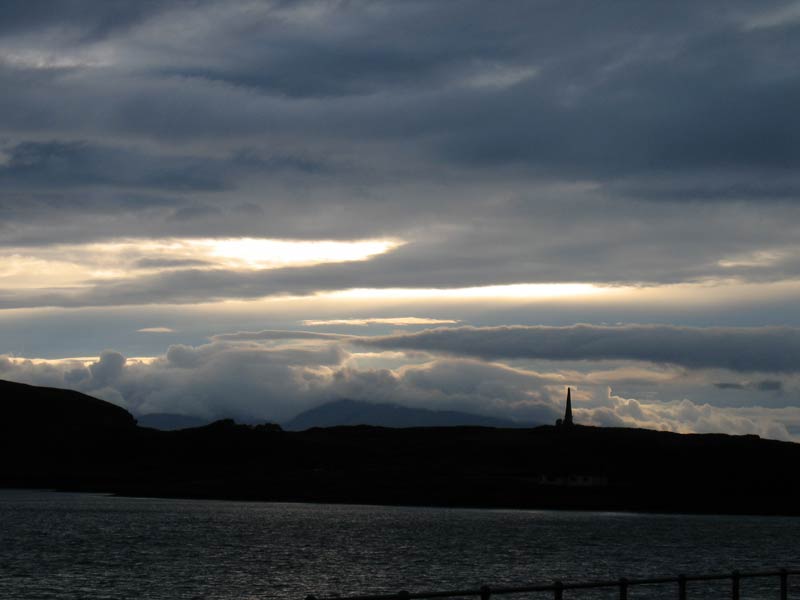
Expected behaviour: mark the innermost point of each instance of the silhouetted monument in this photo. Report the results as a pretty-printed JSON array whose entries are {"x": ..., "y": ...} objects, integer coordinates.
[{"x": 567, "y": 420}]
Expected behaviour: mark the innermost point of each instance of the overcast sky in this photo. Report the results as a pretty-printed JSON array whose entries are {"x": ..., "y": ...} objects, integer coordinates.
[{"x": 247, "y": 208}]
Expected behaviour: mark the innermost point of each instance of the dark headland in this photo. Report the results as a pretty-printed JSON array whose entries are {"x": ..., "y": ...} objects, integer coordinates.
[{"x": 62, "y": 439}]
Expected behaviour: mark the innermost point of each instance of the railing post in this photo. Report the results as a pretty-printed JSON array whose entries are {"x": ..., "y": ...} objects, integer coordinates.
[
  {"x": 784, "y": 585},
  {"x": 623, "y": 589},
  {"x": 486, "y": 592}
]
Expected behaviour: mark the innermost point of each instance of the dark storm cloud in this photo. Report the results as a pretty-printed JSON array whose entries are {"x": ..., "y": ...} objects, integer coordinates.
[
  {"x": 94, "y": 18},
  {"x": 60, "y": 164},
  {"x": 767, "y": 385},
  {"x": 634, "y": 90},
  {"x": 730, "y": 386},
  {"x": 767, "y": 349},
  {"x": 57, "y": 164},
  {"x": 690, "y": 111}
]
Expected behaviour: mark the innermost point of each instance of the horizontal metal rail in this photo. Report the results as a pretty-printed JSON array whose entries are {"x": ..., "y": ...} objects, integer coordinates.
[{"x": 557, "y": 587}]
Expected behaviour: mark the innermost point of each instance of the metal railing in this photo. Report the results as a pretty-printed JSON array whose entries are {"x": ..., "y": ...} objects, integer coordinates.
[{"x": 558, "y": 587}]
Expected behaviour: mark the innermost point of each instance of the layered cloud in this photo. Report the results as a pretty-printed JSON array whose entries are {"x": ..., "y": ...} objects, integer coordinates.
[
  {"x": 523, "y": 144},
  {"x": 399, "y": 321},
  {"x": 278, "y": 334},
  {"x": 767, "y": 349}
]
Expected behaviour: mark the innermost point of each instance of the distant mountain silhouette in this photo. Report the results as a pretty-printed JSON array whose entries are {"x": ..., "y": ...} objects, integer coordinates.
[
  {"x": 355, "y": 412},
  {"x": 170, "y": 421},
  {"x": 61, "y": 439}
]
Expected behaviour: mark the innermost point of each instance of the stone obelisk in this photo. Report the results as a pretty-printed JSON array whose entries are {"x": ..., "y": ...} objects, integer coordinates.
[{"x": 568, "y": 412}]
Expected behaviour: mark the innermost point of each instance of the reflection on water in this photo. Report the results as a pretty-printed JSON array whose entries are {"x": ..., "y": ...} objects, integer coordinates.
[{"x": 87, "y": 546}]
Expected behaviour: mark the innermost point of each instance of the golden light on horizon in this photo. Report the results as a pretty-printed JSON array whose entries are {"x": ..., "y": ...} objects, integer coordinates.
[
  {"x": 78, "y": 264},
  {"x": 264, "y": 253},
  {"x": 74, "y": 360},
  {"x": 533, "y": 291}
]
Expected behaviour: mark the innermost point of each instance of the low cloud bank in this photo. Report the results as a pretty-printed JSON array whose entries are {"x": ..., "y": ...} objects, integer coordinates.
[
  {"x": 249, "y": 381},
  {"x": 685, "y": 416},
  {"x": 253, "y": 381}
]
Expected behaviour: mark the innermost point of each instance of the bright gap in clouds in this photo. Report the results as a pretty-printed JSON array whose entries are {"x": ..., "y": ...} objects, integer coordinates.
[
  {"x": 264, "y": 253},
  {"x": 378, "y": 321},
  {"x": 74, "y": 264},
  {"x": 513, "y": 291}
]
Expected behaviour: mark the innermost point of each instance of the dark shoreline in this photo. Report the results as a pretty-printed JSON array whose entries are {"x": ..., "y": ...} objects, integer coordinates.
[
  {"x": 64, "y": 440},
  {"x": 538, "y": 469},
  {"x": 107, "y": 494}
]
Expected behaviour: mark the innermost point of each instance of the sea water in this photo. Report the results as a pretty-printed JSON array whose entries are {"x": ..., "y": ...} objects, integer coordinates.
[{"x": 84, "y": 546}]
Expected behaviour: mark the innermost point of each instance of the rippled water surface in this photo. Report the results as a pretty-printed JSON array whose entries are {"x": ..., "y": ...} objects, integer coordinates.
[{"x": 55, "y": 545}]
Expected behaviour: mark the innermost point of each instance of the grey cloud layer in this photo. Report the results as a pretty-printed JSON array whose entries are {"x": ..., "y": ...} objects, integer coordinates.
[
  {"x": 270, "y": 335},
  {"x": 768, "y": 349},
  {"x": 528, "y": 142},
  {"x": 739, "y": 349},
  {"x": 59, "y": 165}
]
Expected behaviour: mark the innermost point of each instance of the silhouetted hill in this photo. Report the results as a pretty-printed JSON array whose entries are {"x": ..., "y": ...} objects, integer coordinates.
[
  {"x": 169, "y": 421},
  {"x": 354, "y": 412},
  {"x": 53, "y": 437},
  {"x": 56, "y": 438},
  {"x": 27, "y": 408}
]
